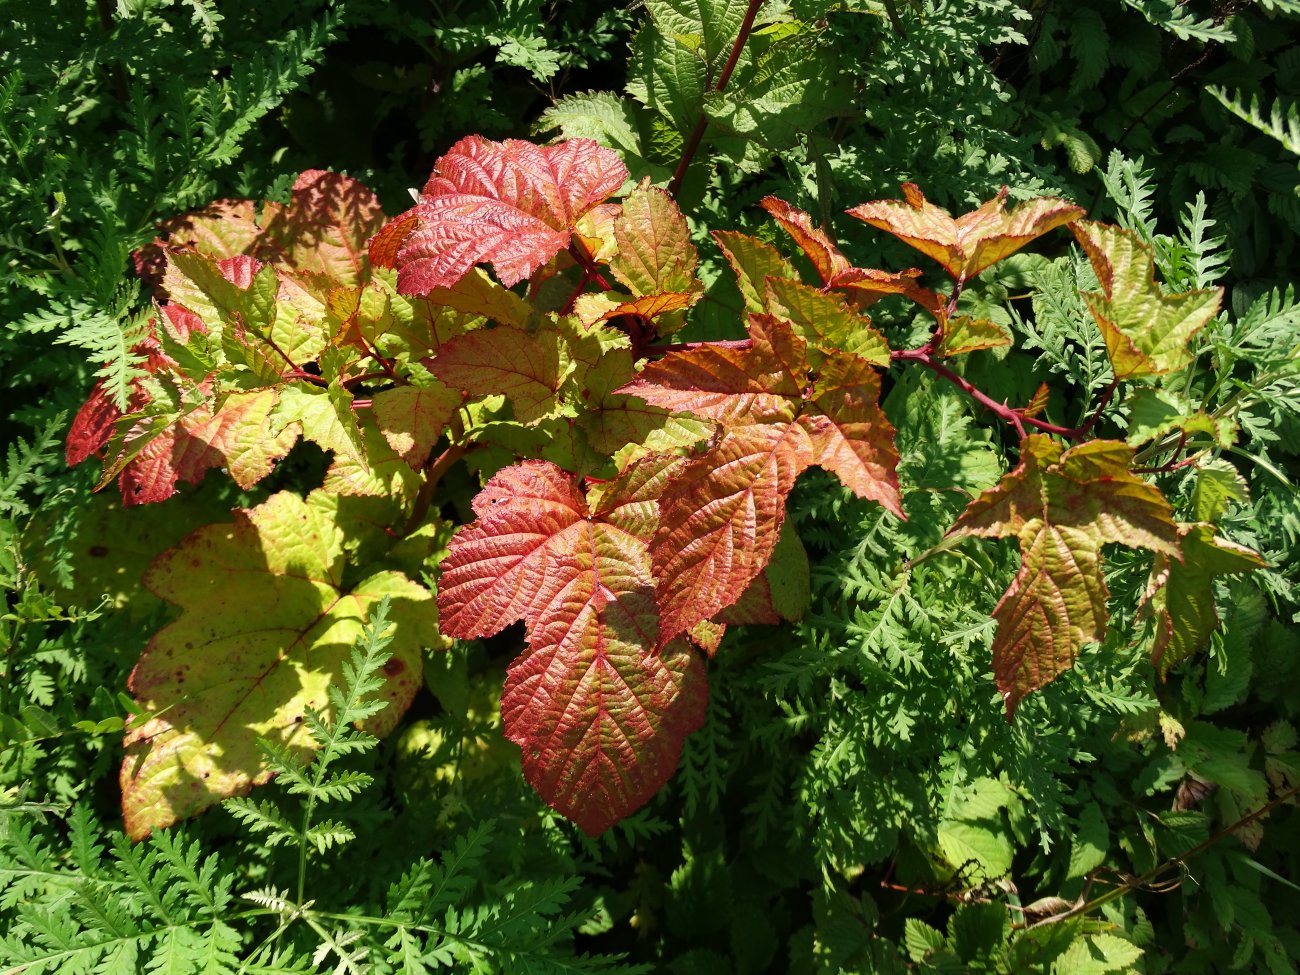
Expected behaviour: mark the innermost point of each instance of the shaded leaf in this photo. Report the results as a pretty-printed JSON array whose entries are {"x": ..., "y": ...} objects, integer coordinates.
[
  {"x": 325, "y": 227},
  {"x": 1182, "y": 592},
  {"x": 412, "y": 418}
]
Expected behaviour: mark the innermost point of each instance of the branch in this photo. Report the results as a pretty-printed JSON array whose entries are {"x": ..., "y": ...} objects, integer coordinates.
[
  {"x": 1005, "y": 413},
  {"x": 697, "y": 133},
  {"x": 1179, "y": 862},
  {"x": 433, "y": 472}
]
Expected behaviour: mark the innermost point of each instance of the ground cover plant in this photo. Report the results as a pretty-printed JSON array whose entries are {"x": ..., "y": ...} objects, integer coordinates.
[{"x": 744, "y": 448}]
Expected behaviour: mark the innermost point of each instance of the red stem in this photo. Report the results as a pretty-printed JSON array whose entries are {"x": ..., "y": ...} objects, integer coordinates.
[
  {"x": 1101, "y": 405},
  {"x": 578, "y": 251},
  {"x": 697, "y": 133},
  {"x": 374, "y": 354},
  {"x": 306, "y": 376},
  {"x": 1006, "y": 413}
]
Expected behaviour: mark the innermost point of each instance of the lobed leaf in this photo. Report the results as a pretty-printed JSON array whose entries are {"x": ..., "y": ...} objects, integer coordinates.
[
  {"x": 969, "y": 244},
  {"x": 525, "y": 367},
  {"x": 512, "y": 204},
  {"x": 721, "y": 521},
  {"x": 1147, "y": 332},
  {"x": 221, "y": 677},
  {"x": 1062, "y": 507},
  {"x": 598, "y": 704}
]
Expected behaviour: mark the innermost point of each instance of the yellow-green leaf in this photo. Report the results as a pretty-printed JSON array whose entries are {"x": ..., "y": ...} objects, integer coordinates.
[
  {"x": 266, "y": 623},
  {"x": 1147, "y": 332}
]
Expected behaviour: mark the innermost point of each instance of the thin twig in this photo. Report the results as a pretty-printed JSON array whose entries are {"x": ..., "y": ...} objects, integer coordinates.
[{"x": 702, "y": 123}]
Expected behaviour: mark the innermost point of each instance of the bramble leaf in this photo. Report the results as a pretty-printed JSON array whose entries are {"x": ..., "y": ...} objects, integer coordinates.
[
  {"x": 527, "y": 368},
  {"x": 412, "y": 418},
  {"x": 825, "y": 321},
  {"x": 227, "y": 676},
  {"x": 754, "y": 261},
  {"x": 1147, "y": 332},
  {"x": 512, "y": 204},
  {"x": 598, "y": 707},
  {"x": 721, "y": 520},
  {"x": 655, "y": 254},
  {"x": 965, "y": 334},
  {"x": 969, "y": 244},
  {"x": 1061, "y": 508},
  {"x": 1182, "y": 593},
  {"x": 812, "y": 240}
]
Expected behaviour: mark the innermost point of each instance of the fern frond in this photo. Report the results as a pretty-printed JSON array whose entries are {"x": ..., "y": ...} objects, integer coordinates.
[
  {"x": 22, "y": 464},
  {"x": 1172, "y": 16},
  {"x": 1129, "y": 187},
  {"x": 1282, "y": 121}
]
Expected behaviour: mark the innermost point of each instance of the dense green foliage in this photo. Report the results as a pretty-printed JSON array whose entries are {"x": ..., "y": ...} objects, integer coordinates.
[{"x": 856, "y": 800}]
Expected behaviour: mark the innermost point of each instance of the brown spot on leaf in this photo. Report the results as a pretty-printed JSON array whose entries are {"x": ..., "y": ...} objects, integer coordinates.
[
  {"x": 97, "y": 551},
  {"x": 394, "y": 667}
]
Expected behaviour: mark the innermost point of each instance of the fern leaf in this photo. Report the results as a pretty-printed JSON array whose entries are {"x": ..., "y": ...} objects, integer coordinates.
[
  {"x": 23, "y": 463},
  {"x": 1282, "y": 121}
]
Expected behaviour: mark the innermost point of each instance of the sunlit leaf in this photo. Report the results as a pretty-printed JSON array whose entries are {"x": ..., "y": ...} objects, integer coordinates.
[{"x": 1061, "y": 508}]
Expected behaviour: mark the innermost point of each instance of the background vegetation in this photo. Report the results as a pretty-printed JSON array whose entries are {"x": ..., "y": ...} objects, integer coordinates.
[{"x": 856, "y": 801}]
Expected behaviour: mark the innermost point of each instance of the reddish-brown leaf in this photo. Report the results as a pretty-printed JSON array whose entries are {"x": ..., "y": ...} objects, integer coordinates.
[
  {"x": 969, "y": 244},
  {"x": 512, "y": 204},
  {"x": 326, "y": 225},
  {"x": 812, "y": 240},
  {"x": 720, "y": 521},
  {"x": 1062, "y": 507},
  {"x": 599, "y": 710}
]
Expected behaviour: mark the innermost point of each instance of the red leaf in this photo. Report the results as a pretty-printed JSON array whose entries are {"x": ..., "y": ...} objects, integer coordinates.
[
  {"x": 326, "y": 225},
  {"x": 512, "y": 204},
  {"x": 598, "y": 711},
  {"x": 720, "y": 521}
]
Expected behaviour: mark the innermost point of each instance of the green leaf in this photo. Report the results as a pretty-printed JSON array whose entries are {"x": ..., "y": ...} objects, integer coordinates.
[
  {"x": 754, "y": 261},
  {"x": 1155, "y": 413},
  {"x": 1147, "y": 332},
  {"x": 1218, "y": 486},
  {"x": 1184, "y": 603},
  {"x": 825, "y": 321},
  {"x": 266, "y": 626},
  {"x": 983, "y": 843},
  {"x": 1090, "y": 842},
  {"x": 707, "y": 27}
]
